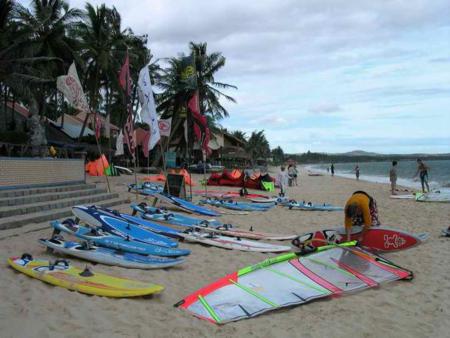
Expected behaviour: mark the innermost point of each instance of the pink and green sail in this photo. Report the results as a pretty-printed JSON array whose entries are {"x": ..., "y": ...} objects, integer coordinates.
[{"x": 291, "y": 279}]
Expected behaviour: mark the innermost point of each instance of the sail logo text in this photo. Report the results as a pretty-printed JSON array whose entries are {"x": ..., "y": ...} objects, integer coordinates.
[{"x": 394, "y": 241}]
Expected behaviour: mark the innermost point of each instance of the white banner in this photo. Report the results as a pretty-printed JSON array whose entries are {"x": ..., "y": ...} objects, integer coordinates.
[
  {"x": 165, "y": 126},
  {"x": 71, "y": 87},
  {"x": 148, "y": 112}
]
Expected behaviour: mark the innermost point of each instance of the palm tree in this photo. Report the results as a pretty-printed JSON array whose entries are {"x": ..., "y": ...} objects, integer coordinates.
[
  {"x": 176, "y": 93},
  {"x": 209, "y": 94},
  {"x": 278, "y": 155},
  {"x": 257, "y": 145},
  {"x": 240, "y": 135},
  {"x": 99, "y": 36},
  {"x": 46, "y": 27},
  {"x": 18, "y": 67}
]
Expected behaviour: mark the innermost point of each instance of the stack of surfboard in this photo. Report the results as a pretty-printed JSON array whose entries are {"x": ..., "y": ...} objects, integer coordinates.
[{"x": 312, "y": 207}]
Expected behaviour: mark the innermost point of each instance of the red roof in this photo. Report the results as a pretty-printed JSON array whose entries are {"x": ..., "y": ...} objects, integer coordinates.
[
  {"x": 18, "y": 108},
  {"x": 81, "y": 116}
]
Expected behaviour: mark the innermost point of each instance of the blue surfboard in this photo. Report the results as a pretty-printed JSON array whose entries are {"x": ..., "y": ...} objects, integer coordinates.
[
  {"x": 174, "y": 218},
  {"x": 115, "y": 224},
  {"x": 100, "y": 238},
  {"x": 185, "y": 205}
]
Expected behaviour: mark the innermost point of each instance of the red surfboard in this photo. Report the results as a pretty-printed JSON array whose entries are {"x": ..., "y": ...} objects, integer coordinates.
[{"x": 380, "y": 238}]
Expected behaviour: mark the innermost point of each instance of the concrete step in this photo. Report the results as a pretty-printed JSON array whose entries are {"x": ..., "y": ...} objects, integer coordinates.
[
  {"x": 43, "y": 190},
  {"x": 42, "y": 216},
  {"x": 52, "y": 196},
  {"x": 43, "y": 206}
]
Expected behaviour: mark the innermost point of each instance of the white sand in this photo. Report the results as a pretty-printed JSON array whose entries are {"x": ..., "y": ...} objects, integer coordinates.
[{"x": 420, "y": 308}]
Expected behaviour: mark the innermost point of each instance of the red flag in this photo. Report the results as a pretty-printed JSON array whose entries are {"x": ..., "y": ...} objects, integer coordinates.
[
  {"x": 124, "y": 76},
  {"x": 194, "y": 106},
  {"x": 201, "y": 129},
  {"x": 125, "y": 83},
  {"x": 145, "y": 142}
]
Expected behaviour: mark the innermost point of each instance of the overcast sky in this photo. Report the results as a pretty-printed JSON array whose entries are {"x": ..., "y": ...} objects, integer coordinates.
[{"x": 329, "y": 76}]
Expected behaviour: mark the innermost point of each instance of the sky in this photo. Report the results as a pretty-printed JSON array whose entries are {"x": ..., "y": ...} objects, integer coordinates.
[{"x": 319, "y": 75}]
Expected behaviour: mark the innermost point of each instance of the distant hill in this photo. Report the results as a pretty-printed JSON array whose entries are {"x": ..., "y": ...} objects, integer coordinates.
[
  {"x": 360, "y": 156},
  {"x": 359, "y": 153}
]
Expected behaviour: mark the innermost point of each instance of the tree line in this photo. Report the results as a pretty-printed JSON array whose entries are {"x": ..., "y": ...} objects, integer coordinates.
[{"x": 38, "y": 43}]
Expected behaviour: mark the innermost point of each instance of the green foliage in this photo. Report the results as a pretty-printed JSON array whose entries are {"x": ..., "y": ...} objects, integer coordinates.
[
  {"x": 257, "y": 145},
  {"x": 40, "y": 41},
  {"x": 240, "y": 135},
  {"x": 278, "y": 156}
]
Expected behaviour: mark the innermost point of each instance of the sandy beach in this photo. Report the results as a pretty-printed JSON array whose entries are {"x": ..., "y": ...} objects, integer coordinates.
[{"x": 417, "y": 308}]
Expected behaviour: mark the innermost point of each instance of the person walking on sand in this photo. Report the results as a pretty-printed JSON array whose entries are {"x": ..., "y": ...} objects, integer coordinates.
[
  {"x": 393, "y": 177},
  {"x": 360, "y": 210},
  {"x": 422, "y": 171},
  {"x": 295, "y": 175},
  {"x": 332, "y": 169},
  {"x": 357, "y": 172},
  {"x": 282, "y": 180}
]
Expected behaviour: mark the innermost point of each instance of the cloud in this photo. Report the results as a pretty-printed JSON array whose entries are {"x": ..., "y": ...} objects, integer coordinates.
[
  {"x": 324, "y": 108},
  {"x": 269, "y": 120},
  {"x": 312, "y": 72}
]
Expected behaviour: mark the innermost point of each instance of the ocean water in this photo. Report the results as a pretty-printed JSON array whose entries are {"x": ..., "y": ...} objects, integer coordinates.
[{"x": 438, "y": 175}]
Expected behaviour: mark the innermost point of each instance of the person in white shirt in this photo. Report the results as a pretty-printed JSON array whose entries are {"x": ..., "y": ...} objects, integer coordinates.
[{"x": 283, "y": 180}]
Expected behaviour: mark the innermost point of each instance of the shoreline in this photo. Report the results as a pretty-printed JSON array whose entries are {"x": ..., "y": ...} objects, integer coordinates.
[{"x": 408, "y": 184}]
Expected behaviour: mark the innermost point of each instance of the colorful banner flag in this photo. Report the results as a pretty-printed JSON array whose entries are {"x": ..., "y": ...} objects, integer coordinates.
[
  {"x": 71, "y": 87},
  {"x": 148, "y": 112},
  {"x": 128, "y": 128},
  {"x": 165, "y": 126},
  {"x": 124, "y": 76},
  {"x": 201, "y": 129}
]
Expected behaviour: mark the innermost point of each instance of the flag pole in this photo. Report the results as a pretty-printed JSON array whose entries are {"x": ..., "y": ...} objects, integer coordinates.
[
  {"x": 99, "y": 148},
  {"x": 135, "y": 174},
  {"x": 204, "y": 161}
]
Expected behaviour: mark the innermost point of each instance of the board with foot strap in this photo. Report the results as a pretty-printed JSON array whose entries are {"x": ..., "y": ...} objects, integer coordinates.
[
  {"x": 62, "y": 273},
  {"x": 379, "y": 238}
]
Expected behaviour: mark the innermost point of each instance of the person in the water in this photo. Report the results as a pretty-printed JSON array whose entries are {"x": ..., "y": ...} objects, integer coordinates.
[{"x": 422, "y": 171}]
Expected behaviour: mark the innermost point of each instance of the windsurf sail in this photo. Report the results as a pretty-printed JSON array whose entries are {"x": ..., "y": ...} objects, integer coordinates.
[{"x": 288, "y": 280}]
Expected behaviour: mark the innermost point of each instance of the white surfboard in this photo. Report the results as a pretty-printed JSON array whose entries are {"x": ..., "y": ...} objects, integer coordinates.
[{"x": 232, "y": 243}]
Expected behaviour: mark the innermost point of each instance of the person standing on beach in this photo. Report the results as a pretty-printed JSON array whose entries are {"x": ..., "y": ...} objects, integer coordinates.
[
  {"x": 282, "y": 180},
  {"x": 357, "y": 172},
  {"x": 393, "y": 177},
  {"x": 422, "y": 171},
  {"x": 332, "y": 169},
  {"x": 360, "y": 210},
  {"x": 292, "y": 172}
]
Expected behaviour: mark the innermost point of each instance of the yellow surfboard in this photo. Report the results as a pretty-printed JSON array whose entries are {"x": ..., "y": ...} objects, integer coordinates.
[{"x": 63, "y": 274}]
